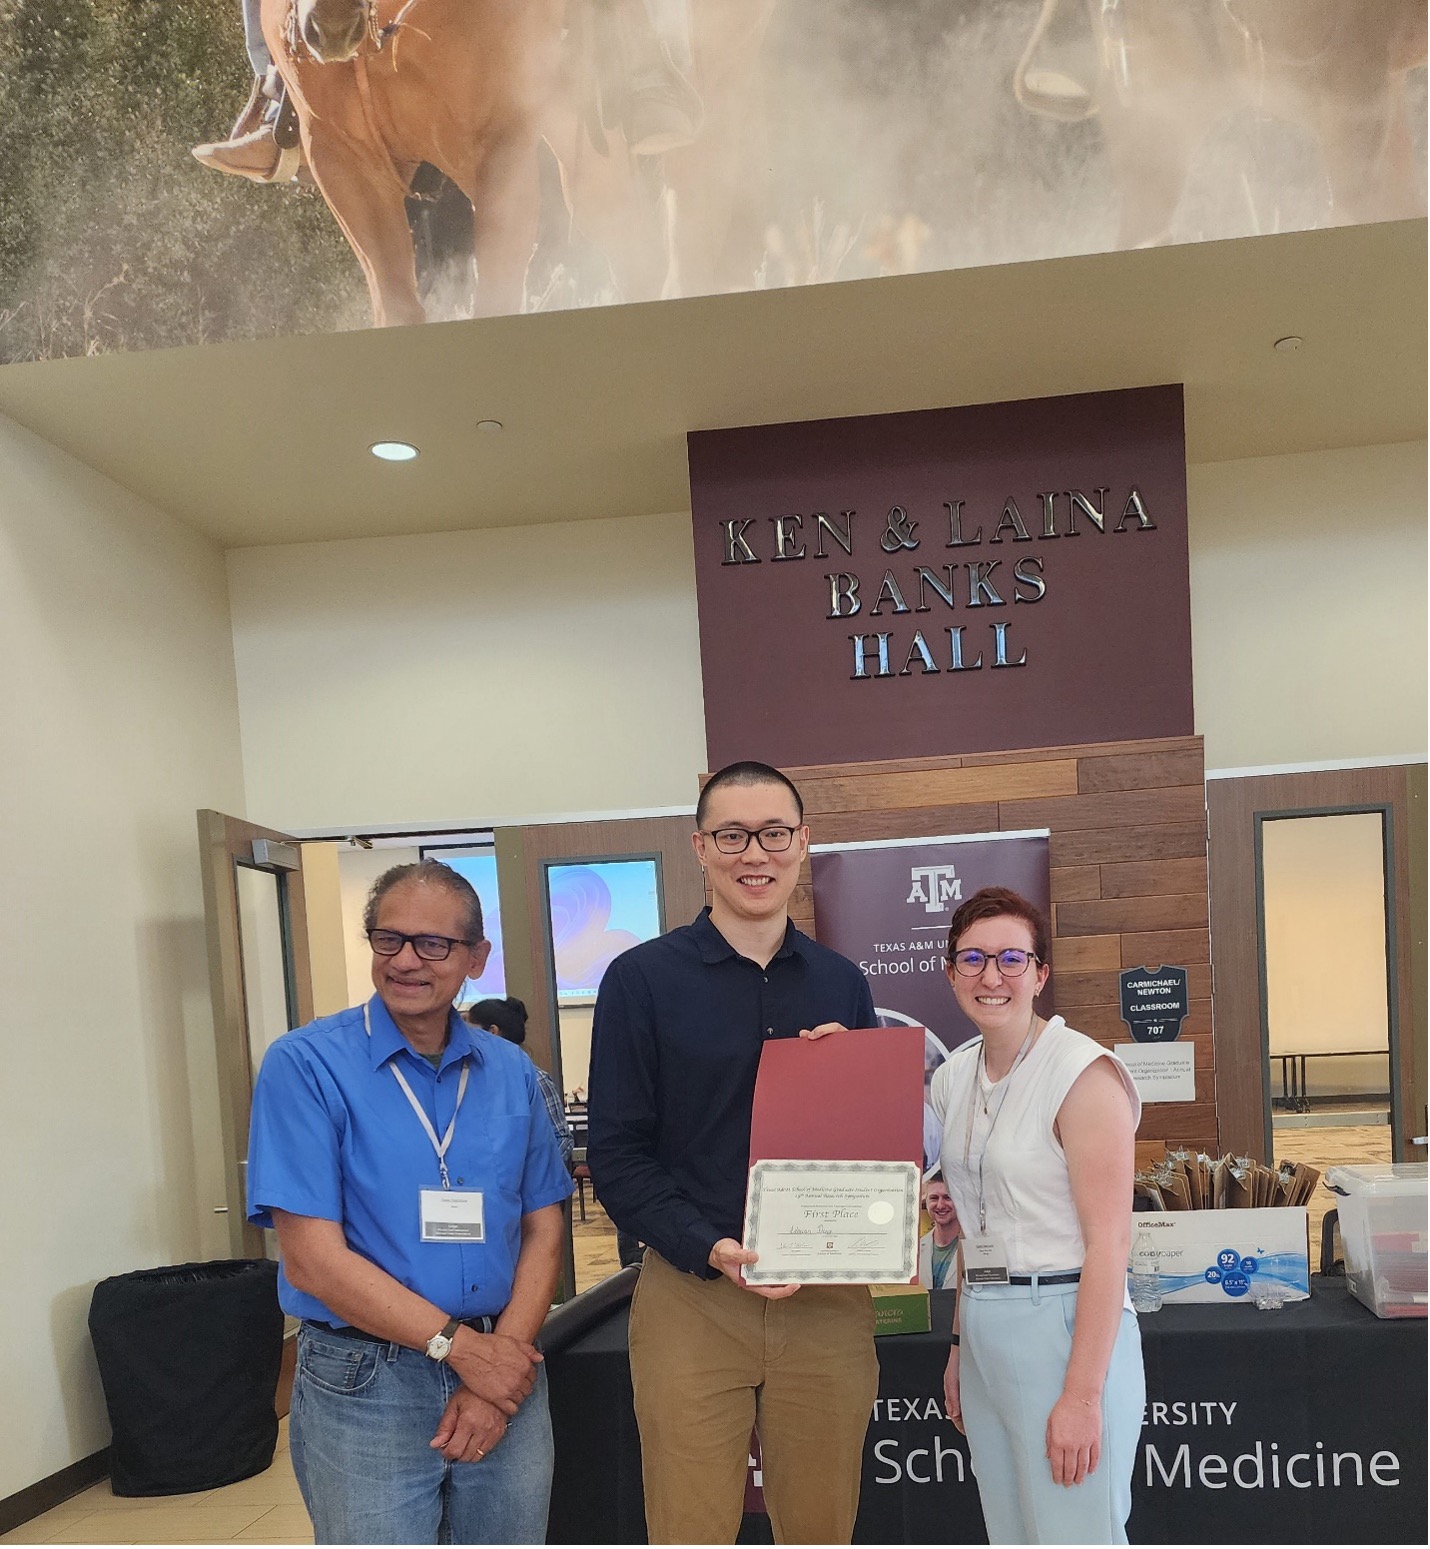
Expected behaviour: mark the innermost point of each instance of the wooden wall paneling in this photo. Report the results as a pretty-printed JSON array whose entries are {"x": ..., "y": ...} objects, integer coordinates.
[
  {"x": 1145, "y": 879},
  {"x": 1417, "y": 1115},
  {"x": 1140, "y": 771},
  {"x": 1153, "y": 948},
  {"x": 1109, "y": 809},
  {"x": 939, "y": 787},
  {"x": 1241, "y": 1089},
  {"x": 1083, "y": 954},
  {"x": 1100, "y": 846},
  {"x": 1129, "y": 867},
  {"x": 1069, "y": 883},
  {"x": 1081, "y": 989},
  {"x": 1097, "y": 916},
  {"x": 906, "y": 823},
  {"x": 1088, "y": 750},
  {"x": 1103, "y": 1020}
]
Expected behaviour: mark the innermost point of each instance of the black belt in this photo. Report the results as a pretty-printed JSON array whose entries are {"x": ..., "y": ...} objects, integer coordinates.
[
  {"x": 1069, "y": 1277},
  {"x": 478, "y": 1325}
]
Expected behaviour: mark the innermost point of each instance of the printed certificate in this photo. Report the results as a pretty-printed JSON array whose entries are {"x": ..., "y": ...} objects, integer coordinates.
[{"x": 832, "y": 1223}]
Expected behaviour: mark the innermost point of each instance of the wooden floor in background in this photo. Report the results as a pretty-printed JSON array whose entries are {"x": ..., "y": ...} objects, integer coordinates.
[
  {"x": 594, "y": 1243},
  {"x": 1341, "y": 1146}
]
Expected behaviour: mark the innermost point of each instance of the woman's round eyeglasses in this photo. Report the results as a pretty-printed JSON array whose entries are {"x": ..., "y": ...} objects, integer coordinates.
[{"x": 1011, "y": 961}]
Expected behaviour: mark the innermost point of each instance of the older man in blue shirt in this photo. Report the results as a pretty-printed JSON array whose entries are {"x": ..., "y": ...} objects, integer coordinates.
[
  {"x": 679, "y": 1025},
  {"x": 407, "y": 1164}
]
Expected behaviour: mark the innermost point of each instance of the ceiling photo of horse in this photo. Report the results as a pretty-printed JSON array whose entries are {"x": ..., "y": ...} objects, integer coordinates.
[{"x": 180, "y": 172}]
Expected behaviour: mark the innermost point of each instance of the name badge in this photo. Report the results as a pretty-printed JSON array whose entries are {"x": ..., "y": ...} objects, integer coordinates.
[
  {"x": 452, "y": 1215},
  {"x": 984, "y": 1261}
]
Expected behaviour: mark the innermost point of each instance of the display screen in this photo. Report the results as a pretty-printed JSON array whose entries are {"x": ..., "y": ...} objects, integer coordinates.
[
  {"x": 598, "y": 909},
  {"x": 479, "y": 867}
]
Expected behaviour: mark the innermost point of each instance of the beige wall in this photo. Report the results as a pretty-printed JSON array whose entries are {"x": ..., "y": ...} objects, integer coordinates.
[
  {"x": 473, "y": 677},
  {"x": 494, "y": 674},
  {"x": 120, "y": 713},
  {"x": 1309, "y": 606}
]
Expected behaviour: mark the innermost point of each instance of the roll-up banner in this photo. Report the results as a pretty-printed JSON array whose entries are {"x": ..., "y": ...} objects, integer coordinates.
[{"x": 886, "y": 904}]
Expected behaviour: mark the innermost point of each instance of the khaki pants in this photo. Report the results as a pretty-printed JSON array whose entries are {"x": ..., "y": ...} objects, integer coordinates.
[{"x": 709, "y": 1361}]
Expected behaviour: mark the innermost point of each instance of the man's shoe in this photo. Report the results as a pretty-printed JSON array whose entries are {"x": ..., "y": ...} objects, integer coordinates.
[{"x": 253, "y": 155}]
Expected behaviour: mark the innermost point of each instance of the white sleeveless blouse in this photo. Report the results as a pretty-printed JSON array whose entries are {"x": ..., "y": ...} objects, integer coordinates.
[{"x": 1025, "y": 1173}]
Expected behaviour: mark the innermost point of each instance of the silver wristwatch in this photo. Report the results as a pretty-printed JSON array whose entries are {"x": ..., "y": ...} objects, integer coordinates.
[{"x": 439, "y": 1347}]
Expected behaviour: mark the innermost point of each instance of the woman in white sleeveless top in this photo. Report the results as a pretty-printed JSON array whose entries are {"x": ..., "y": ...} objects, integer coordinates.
[{"x": 1045, "y": 1374}]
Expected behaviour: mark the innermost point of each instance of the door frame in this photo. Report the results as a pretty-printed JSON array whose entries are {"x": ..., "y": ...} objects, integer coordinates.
[
  {"x": 1235, "y": 803},
  {"x": 225, "y": 843},
  {"x": 1392, "y": 1008}
]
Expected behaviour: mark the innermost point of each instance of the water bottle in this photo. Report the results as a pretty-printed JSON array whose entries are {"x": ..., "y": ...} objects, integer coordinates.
[{"x": 1146, "y": 1274}]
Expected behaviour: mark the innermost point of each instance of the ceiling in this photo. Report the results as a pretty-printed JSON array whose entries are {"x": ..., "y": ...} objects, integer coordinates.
[{"x": 266, "y": 442}]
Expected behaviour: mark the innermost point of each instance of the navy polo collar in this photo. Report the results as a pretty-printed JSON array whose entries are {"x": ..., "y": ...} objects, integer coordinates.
[
  {"x": 715, "y": 949},
  {"x": 387, "y": 1040}
]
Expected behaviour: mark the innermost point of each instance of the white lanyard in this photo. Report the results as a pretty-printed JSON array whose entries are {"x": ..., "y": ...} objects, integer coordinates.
[
  {"x": 997, "y": 1113},
  {"x": 439, "y": 1146}
]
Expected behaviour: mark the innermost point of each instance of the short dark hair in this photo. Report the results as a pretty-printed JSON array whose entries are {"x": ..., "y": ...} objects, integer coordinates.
[
  {"x": 746, "y": 772},
  {"x": 987, "y": 904},
  {"x": 507, "y": 1016},
  {"x": 430, "y": 874}
]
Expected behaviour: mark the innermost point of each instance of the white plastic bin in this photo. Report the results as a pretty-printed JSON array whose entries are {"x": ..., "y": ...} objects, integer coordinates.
[{"x": 1382, "y": 1218}]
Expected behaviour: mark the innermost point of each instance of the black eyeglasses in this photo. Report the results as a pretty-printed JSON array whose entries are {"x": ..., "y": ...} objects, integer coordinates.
[
  {"x": 431, "y": 949},
  {"x": 1011, "y": 961},
  {"x": 735, "y": 841}
]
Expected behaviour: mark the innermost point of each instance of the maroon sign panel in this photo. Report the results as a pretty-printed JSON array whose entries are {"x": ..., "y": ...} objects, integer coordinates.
[{"x": 947, "y": 581}]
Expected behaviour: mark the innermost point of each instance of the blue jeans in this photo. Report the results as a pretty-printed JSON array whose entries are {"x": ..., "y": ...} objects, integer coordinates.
[{"x": 362, "y": 1418}]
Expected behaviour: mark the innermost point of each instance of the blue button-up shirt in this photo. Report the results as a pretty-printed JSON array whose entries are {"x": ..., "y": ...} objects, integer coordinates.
[
  {"x": 333, "y": 1136},
  {"x": 675, "y": 1047}
]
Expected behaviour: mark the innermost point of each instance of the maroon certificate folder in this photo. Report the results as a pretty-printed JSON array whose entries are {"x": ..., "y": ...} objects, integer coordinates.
[{"x": 856, "y": 1096}]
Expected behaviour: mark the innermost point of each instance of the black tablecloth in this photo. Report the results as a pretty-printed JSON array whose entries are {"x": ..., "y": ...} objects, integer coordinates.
[{"x": 1237, "y": 1399}]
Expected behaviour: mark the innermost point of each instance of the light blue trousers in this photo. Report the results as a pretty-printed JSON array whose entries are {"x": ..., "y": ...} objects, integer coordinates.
[
  {"x": 1013, "y": 1356},
  {"x": 363, "y": 1416}
]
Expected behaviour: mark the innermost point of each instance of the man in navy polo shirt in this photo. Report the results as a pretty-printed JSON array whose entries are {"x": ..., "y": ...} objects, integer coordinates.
[
  {"x": 407, "y": 1163},
  {"x": 679, "y": 1025}
]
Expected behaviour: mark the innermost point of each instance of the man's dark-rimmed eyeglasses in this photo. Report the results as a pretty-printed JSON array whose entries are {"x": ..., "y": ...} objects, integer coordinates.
[
  {"x": 431, "y": 949},
  {"x": 1011, "y": 961},
  {"x": 735, "y": 841}
]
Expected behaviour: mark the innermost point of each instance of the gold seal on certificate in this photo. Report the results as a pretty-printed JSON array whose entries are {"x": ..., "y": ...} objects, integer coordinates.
[{"x": 832, "y": 1223}]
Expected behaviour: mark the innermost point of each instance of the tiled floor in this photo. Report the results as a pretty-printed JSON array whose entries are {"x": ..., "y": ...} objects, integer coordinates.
[
  {"x": 266, "y": 1509},
  {"x": 1341, "y": 1146},
  {"x": 594, "y": 1242}
]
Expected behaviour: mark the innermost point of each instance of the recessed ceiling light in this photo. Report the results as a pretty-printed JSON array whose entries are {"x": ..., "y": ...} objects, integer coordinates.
[
  {"x": 393, "y": 451},
  {"x": 488, "y": 424},
  {"x": 1289, "y": 345}
]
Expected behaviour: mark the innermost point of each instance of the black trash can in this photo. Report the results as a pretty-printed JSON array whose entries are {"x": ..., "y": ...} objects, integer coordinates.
[{"x": 189, "y": 1359}]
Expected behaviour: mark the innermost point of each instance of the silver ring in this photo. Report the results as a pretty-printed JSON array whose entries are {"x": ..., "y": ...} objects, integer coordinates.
[{"x": 480, "y": 1453}]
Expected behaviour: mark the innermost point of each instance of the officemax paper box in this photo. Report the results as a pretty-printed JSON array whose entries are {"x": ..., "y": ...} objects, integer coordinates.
[
  {"x": 1227, "y": 1256},
  {"x": 900, "y": 1309}
]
